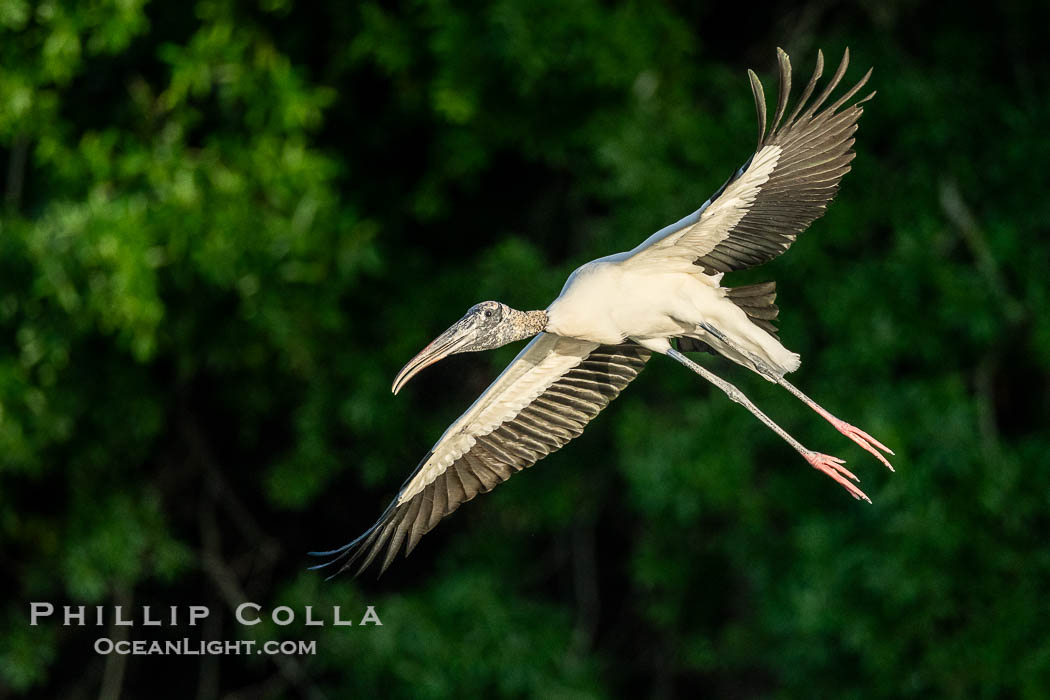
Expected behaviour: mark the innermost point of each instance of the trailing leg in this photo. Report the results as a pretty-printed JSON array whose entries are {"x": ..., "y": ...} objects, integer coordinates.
[
  {"x": 832, "y": 466},
  {"x": 867, "y": 442}
]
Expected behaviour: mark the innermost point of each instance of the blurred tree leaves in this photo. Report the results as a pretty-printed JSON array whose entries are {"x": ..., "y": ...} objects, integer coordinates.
[{"x": 226, "y": 225}]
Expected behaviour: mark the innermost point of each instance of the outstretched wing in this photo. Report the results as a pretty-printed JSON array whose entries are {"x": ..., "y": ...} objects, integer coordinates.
[
  {"x": 543, "y": 399},
  {"x": 784, "y": 187}
]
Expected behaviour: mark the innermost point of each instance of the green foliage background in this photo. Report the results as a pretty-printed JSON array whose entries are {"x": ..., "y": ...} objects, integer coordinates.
[{"x": 227, "y": 224}]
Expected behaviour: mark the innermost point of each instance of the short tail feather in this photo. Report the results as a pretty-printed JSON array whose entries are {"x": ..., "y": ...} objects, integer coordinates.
[{"x": 756, "y": 300}]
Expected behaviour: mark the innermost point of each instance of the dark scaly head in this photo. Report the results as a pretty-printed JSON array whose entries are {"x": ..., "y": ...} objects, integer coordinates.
[{"x": 487, "y": 325}]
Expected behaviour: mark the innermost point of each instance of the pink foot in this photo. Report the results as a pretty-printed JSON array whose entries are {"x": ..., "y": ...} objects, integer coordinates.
[
  {"x": 832, "y": 466},
  {"x": 866, "y": 441}
]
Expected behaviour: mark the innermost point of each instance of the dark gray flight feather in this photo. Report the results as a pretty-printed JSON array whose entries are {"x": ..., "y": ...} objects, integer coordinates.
[
  {"x": 546, "y": 424},
  {"x": 815, "y": 154}
]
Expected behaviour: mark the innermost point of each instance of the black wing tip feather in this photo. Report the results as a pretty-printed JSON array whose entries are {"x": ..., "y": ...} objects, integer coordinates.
[
  {"x": 760, "y": 104},
  {"x": 399, "y": 527},
  {"x": 785, "y": 74},
  {"x": 350, "y": 551},
  {"x": 804, "y": 111},
  {"x": 355, "y": 547}
]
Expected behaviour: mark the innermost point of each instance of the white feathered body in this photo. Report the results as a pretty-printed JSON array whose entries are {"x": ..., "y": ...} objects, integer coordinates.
[{"x": 611, "y": 300}]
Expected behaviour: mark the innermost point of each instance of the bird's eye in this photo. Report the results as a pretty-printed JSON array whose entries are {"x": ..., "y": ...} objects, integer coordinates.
[{"x": 488, "y": 313}]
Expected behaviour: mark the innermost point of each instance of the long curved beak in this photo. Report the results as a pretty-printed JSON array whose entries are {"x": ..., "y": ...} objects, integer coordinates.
[{"x": 448, "y": 343}]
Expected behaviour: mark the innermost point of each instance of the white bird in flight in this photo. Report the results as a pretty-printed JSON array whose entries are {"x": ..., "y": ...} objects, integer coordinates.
[{"x": 614, "y": 312}]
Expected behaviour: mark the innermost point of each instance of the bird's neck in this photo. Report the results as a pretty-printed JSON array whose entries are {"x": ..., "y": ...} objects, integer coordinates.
[{"x": 525, "y": 324}]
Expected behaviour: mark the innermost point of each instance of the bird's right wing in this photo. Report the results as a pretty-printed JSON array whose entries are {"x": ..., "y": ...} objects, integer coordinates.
[
  {"x": 778, "y": 193},
  {"x": 543, "y": 399}
]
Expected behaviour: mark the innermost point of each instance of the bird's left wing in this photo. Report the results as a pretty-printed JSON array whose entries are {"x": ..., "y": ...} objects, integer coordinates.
[
  {"x": 543, "y": 399},
  {"x": 785, "y": 186}
]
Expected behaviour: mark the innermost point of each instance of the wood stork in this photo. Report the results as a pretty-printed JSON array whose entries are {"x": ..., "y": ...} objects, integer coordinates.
[{"x": 614, "y": 312}]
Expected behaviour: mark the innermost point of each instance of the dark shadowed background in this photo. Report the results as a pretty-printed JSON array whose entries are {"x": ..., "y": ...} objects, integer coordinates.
[{"x": 226, "y": 225}]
